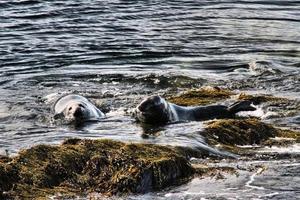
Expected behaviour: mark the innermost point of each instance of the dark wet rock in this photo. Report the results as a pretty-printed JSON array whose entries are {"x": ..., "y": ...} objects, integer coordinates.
[
  {"x": 8, "y": 176},
  {"x": 83, "y": 166}
]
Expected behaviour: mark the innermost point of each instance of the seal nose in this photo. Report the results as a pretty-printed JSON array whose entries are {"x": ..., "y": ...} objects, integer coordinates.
[{"x": 78, "y": 112}]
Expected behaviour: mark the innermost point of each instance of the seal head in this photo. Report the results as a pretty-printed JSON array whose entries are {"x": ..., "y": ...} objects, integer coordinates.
[
  {"x": 153, "y": 110},
  {"x": 75, "y": 108}
]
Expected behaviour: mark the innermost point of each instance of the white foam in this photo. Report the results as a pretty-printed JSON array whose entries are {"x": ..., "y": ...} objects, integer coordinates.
[
  {"x": 248, "y": 146},
  {"x": 252, "y": 178},
  {"x": 259, "y": 112},
  {"x": 295, "y": 148}
]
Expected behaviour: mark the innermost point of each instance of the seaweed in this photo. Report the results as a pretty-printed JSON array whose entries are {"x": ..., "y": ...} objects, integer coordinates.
[
  {"x": 238, "y": 131},
  {"x": 263, "y": 98},
  {"x": 77, "y": 167},
  {"x": 230, "y": 133},
  {"x": 201, "y": 96}
]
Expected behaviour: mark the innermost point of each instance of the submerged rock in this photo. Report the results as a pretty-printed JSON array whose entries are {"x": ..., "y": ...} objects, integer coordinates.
[{"x": 83, "y": 166}]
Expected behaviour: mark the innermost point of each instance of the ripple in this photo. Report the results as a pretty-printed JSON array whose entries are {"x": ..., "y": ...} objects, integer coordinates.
[{"x": 117, "y": 52}]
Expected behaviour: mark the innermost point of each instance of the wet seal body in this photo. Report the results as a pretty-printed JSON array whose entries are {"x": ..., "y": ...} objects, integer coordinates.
[
  {"x": 156, "y": 110},
  {"x": 76, "y": 108}
]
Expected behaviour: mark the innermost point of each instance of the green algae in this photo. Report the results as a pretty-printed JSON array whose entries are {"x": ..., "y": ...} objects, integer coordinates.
[
  {"x": 81, "y": 166},
  {"x": 202, "y": 96}
]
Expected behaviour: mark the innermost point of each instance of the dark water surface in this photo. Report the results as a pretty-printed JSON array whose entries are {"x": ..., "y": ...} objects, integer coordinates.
[{"x": 118, "y": 52}]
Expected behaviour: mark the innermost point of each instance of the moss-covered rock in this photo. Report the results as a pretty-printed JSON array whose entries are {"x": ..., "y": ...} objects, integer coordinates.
[
  {"x": 202, "y": 96},
  {"x": 81, "y": 166},
  {"x": 232, "y": 132},
  {"x": 258, "y": 99},
  {"x": 238, "y": 131}
]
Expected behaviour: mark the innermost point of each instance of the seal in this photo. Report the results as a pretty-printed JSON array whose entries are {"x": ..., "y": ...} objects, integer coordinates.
[
  {"x": 76, "y": 108},
  {"x": 156, "y": 110}
]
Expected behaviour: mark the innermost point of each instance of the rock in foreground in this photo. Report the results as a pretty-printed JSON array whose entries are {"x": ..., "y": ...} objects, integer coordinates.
[{"x": 82, "y": 166}]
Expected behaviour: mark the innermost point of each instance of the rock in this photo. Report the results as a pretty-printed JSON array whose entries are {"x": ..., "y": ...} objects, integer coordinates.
[{"x": 79, "y": 166}]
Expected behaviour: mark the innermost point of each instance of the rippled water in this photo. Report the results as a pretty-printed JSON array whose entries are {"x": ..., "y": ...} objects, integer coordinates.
[{"x": 117, "y": 52}]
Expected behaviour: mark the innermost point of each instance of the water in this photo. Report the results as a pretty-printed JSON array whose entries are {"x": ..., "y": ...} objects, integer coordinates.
[{"x": 118, "y": 52}]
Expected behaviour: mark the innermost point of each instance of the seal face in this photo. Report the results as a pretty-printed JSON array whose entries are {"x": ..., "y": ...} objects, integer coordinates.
[
  {"x": 76, "y": 108},
  {"x": 156, "y": 110}
]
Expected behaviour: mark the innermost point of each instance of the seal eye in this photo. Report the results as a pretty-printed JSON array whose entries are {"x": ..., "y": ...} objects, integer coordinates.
[
  {"x": 70, "y": 108},
  {"x": 80, "y": 105}
]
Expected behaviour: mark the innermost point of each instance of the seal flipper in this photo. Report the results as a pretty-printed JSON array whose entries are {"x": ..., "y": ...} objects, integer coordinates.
[{"x": 241, "y": 106}]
